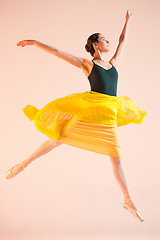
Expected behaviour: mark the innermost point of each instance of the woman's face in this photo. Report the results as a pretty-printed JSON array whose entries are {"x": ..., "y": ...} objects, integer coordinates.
[{"x": 103, "y": 44}]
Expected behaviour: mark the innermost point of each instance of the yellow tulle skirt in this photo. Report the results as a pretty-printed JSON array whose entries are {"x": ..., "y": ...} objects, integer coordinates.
[{"x": 87, "y": 120}]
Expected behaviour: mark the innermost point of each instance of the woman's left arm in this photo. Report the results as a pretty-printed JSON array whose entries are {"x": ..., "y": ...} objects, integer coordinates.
[{"x": 122, "y": 39}]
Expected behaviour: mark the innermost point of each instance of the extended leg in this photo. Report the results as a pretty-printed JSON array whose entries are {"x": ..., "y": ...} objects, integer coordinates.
[
  {"x": 119, "y": 175},
  {"x": 43, "y": 149}
]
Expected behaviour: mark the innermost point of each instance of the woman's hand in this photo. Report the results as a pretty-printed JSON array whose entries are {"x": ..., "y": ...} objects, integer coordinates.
[
  {"x": 128, "y": 15},
  {"x": 25, "y": 43}
]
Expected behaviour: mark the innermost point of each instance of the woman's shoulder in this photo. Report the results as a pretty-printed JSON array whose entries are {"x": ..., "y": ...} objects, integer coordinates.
[
  {"x": 114, "y": 63},
  {"x": 87, "y": 66},
  {"x": 87, "y": 62}
]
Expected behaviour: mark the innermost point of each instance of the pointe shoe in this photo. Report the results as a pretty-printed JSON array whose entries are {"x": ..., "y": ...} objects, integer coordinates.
[
  {"x": 129, "y": 205},
  {"x": 16, "y": 169}
]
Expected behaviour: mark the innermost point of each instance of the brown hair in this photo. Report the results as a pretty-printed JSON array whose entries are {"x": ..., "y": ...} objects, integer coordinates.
[{"x": 92, "y": 39}]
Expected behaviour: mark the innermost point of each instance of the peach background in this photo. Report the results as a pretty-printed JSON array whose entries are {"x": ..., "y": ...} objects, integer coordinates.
[{"x": 70, "y": 190}]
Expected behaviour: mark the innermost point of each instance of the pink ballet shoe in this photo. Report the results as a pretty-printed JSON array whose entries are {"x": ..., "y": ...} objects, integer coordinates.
[
  {"x": 16, "y": 169},
  {"x": 129, "y": 205}
]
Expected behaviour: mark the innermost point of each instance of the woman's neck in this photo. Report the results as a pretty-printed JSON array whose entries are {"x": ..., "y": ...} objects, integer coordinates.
[{"x": 100, "y": 57}]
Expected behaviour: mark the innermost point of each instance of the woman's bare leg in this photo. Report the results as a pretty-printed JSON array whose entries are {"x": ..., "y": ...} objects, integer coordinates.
[
  {"x": 119, "y": 175},
  {"x": 43, "y": 149}
]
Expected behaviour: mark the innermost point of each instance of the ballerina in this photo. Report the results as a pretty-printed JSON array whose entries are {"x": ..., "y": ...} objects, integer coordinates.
[{"x": 88, "y": 120}]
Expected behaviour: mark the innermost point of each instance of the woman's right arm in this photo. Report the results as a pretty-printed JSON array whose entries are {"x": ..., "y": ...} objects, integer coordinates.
[{"x": 76, "y": 61}]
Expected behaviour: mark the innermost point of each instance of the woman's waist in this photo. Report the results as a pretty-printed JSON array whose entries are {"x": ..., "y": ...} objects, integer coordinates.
[
  {"x": 102, "y": 94},
  {"x": 90, "y": 99},
  {"x": 98, "y": 97}
]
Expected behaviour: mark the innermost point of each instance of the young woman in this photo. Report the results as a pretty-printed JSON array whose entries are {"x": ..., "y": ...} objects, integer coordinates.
[{"x": 88, "y": 120}]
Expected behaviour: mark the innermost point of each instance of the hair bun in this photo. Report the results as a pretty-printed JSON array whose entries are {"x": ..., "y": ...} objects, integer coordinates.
[
  {"x": 89, "y": 44},
  {"x": 87, "y": 47}
]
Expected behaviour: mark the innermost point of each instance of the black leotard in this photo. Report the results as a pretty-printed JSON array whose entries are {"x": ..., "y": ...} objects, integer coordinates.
[{"x": 103, "y": 81}]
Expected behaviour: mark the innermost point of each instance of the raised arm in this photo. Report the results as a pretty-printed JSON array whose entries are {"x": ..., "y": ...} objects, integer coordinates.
[
  {"x": 76, "y": 61},
  {"x": 122, "y": 40}
]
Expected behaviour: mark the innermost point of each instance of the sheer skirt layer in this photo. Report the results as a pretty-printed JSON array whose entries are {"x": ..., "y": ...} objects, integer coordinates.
[{"x": 87, "y": 120}]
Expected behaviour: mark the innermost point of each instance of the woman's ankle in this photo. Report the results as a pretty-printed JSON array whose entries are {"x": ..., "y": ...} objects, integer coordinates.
[
  {"x": 127, "y": 196},
  {"x": 26, "y": 162}
]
